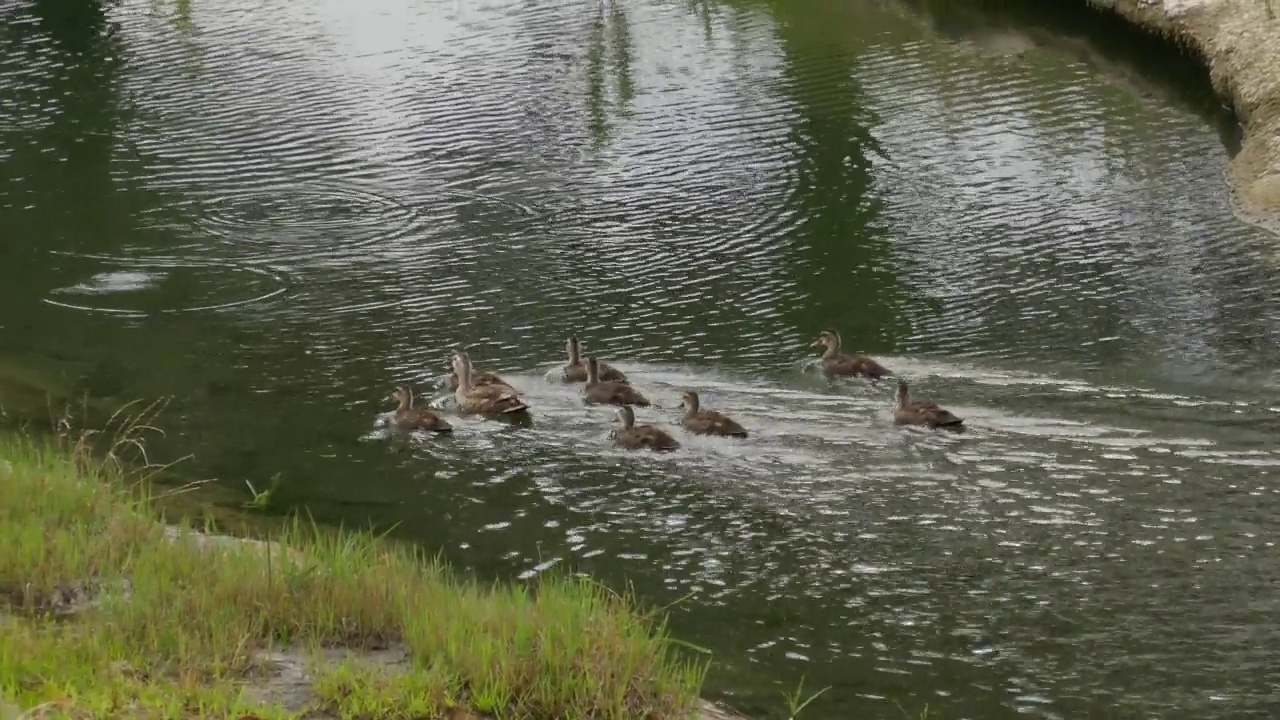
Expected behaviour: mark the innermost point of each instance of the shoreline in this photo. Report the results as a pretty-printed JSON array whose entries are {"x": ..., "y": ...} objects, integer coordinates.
[
  {"x": 111, "y": 609},
  {"x": 1239, "y": 44}
]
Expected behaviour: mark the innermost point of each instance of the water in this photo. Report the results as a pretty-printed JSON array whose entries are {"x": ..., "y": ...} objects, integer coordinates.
[{"x": 276, "y": 212}]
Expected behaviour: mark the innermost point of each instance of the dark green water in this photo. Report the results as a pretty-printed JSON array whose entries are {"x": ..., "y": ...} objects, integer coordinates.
[{"x": 276, "y": 212}]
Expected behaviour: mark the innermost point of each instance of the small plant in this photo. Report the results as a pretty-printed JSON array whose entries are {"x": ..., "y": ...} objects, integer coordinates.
[
  {"x": 262, "y": 500},
  {"x": 794, "y": 703}
]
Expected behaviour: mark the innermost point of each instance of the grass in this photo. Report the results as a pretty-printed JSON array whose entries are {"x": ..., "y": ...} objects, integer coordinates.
[{"x": 108, "y": 612}]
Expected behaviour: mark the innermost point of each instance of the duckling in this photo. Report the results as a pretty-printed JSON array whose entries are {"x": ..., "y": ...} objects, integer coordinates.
[
  {"x": 708, "y": 422},
  {"x": 923, "y": 412},
  {"x": 488, "y": 400},
  {"x": 835, "y": 362},
  {"x": 635, "y": 437},
  {"x": 614, "y": 392},
  {"x": 407, "y": 417},
  {"x": 576, "y": 370}
]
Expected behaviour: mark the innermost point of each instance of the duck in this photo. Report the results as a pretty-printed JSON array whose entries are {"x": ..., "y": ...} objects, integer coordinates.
[
  {"x": 636, "y": 437},
  {"x": 922, "y": 412},
  {"x": 708, "y": 422},
  {"x": 478, "y": 379},
  {"x": 614, "y": 392},
  {"x": 576, "y": 370},
  {"x": 492, "y": 400},
  {"x": 835, "y": 362},
  {"x": 408, "y": 417}
]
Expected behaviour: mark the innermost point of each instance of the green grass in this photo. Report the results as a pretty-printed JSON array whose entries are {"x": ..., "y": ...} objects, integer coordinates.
[{"x": 177, "y": 628}]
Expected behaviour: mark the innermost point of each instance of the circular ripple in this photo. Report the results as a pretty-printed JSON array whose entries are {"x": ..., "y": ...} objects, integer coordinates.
[
  {"x": 305, "y": 216},
  {"x": 138, "y": 288},
  {"x": 329, "y": 219}
]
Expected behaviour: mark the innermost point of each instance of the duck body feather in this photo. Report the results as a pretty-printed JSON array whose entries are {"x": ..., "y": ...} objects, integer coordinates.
[
  {"x": 630, "y": 436},
  {"x": 407, "y": 417},
  {"x": 836, "y": 363},
  {"x": 923, "y": 412},
  {"x": 707, "y": 422},
  {"x": 710, "y": 422},
  {"x": 608, "y": 373},
  {"x": 928, "y": 414},
  {"x": 853, "y": 365},
  {"x": 615, "y": 392},
  {"x": 478, "y": 379},
  {"x": 490, "y": 400},
  {"x": 612, "y": 392},
  {"x": 645, "y": 437}
]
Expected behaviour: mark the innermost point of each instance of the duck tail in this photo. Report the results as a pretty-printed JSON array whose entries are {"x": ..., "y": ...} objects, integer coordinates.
[{"x": 516, "y": 409}]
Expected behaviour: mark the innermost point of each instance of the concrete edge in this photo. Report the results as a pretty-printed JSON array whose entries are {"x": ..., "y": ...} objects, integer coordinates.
[{"x": 1239, "y": 42}]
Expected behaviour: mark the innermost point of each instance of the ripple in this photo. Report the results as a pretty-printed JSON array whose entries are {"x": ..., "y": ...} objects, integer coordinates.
[
  {"x": 141, "y": 287},
  {"x": 309, "y": 219}
]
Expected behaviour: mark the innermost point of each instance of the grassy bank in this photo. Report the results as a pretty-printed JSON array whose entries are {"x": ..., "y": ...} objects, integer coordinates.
[{"x": 108, "y": 612}]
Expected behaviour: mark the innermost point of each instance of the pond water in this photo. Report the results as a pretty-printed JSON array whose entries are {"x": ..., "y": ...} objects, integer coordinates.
[{"x": 275, "y": 212}]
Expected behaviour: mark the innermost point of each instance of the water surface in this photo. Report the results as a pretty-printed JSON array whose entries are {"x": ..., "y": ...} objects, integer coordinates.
[{"x": 276, "y": 212}]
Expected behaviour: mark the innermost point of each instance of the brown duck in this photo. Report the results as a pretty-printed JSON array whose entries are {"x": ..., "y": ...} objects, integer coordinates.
[
  {"x": 488, "y": 400},
  {"x": 708, "y": 422},
  {"x": 408, "y": 417},
  {"x": 631, "y": 436},
  {"x": 614, "y": 392},
  {"x": 922, "y": 412},
  {"x": 478, "y": 379},
  {"x": 576, "y": 370},
  {"x": 835, "y": 362}
]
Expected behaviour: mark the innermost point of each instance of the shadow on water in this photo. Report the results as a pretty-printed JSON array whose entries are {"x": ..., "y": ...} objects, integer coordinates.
[
  {"x": 609, "y": 49},
  {"x": 839, "y": 242},
  {"x": 1152, "y": 64}
]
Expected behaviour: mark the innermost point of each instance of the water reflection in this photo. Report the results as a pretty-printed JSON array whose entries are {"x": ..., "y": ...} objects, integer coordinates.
[{"x": 338, "y": 196}]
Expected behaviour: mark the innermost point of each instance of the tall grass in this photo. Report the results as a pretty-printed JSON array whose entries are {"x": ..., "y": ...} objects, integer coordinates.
[{"x": 112, "y": 613}]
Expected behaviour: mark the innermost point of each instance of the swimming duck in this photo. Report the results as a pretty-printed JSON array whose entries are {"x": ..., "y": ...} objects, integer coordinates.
[
  {"x": 614, "y": 392},
  {"x": 489, "y": 400},
  {"x": 635, "y": 437},
  {"x": 708, "y": 422},
  {"x": 576, "y": 370},
  {"x": 408, "y": 417},
  {"x": 478, "y": 379},
  {"x": 835, "y": 362},
  {"x": 923, "y": 412}
]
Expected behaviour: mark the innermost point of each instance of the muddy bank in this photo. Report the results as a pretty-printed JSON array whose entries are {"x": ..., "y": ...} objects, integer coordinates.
[{"x": 1239, "y": 41}]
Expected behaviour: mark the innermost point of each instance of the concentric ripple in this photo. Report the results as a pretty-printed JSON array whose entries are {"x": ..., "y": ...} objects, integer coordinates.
[{"x": 144, "y": 287}]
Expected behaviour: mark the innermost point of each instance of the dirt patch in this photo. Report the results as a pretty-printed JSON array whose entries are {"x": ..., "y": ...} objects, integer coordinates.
[
  {"x": 286, "y": 680},
  {"x": 1239, "y": 40}
]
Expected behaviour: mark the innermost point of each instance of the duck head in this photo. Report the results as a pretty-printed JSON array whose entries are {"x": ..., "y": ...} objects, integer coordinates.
[
  {"x": 689, "y": 401},
  {"x": 830, "y": 339},
  {"x": 901, "y": 393},
  {"x": 404, "y": 396}
]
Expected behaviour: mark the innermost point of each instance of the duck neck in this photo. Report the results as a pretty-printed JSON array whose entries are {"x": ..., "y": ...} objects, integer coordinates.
[
  {"x": 626, "y": 420},
  {"x": 690, "y": 406},
  {"x": 463, "y": 369},
  {"x": 833, "y": 348},
  {"x": 593, "y": 372},
  {"x": 406, "y": 402},
  {"x": 902, "y": 397},
  {"x": 575, "y": 354}
]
